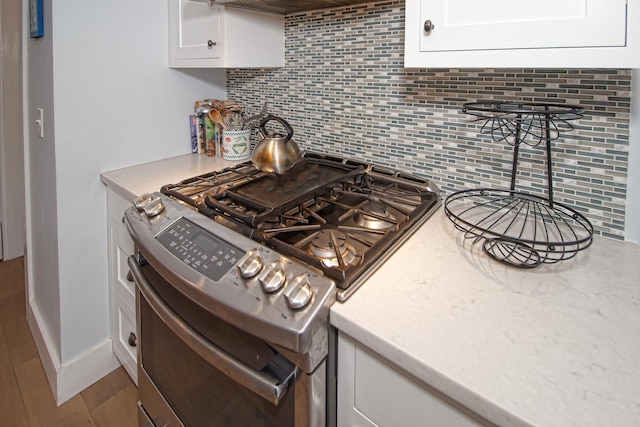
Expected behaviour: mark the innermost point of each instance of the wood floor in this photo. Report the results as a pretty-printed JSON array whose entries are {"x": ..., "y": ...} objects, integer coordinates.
[{"x": 26, "y": 399}]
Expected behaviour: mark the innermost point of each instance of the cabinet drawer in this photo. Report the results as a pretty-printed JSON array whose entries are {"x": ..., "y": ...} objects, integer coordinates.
[
  {"x": 123, "y": 268},
  {"x": 125, "y": 342},
  {"x": 121, "y": 247}
]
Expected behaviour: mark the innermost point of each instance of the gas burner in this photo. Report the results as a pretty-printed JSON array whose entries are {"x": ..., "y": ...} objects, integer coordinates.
[
  {"x": 331, "y": 247},
  {"x": 375, "y": 215}
]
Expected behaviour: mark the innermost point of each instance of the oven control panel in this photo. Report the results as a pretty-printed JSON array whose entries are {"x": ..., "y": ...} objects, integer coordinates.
[
  {"x": 214, "y": 257},
  {"x": 196, "y": 247}
]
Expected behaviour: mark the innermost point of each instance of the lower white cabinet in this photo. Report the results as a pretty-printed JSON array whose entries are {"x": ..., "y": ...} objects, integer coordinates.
[
  {"x": 372, "y": 392},
  {"x": 121, "y": 286}
]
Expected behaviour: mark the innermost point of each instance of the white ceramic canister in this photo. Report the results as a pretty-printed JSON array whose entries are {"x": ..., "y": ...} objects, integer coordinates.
[{"x": 235, "y": 144}]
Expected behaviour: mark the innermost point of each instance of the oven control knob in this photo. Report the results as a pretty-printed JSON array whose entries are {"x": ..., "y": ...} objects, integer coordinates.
[
  {"x": 250, "y": 264},
  {"x": 299, "y": 293},
  {"x": 143, "y": 201},
  {"x": 153, "y": 208},
  {"x": 272, "y": 278}
]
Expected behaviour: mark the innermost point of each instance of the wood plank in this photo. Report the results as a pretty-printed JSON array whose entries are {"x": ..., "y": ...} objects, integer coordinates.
[
  {"x": 12, "y": 278},
  {"x": 13, "y": 312},
  {"x": 40, "y": 404},
  {"x": 12, "y": 410},
  {"x": 119, "y": 410},
  {"x": 106, "y": 388},
  {"x": 17, "y": 333}
]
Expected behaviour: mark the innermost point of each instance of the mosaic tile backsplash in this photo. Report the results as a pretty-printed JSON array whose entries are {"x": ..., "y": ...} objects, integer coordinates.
[{"x": 345, "y": 91}]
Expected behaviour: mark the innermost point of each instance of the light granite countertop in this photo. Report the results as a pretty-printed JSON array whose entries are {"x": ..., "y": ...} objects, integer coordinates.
[
  {"x": 134, "y": 181},
  {"x": 558, "y": 345}
]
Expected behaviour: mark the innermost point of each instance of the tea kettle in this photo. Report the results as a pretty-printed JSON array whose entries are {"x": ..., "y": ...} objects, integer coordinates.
[{"x": 275, "y": 153}]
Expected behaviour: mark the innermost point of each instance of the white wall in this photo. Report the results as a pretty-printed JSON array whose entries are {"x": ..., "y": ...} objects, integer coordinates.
[
  {"x": 110, "y": 101},
  {"x": 42, "y": 233}
]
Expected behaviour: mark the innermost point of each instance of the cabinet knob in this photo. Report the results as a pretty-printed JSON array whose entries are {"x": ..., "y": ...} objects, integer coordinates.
[
  {"x": 428, "y": 26},
  {"x": 211, "y": 43},
  {"x": 129, "y": 276},
  {"x": 133, "y": 340}
]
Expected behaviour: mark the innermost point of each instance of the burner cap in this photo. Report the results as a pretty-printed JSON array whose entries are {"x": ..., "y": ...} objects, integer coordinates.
[
  {"x": 378, "y": 221},
  {"x": 323, "y": 248}
]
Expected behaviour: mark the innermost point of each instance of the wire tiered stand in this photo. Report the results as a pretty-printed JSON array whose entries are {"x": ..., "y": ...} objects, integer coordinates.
[{"x": 518, "y": 228}]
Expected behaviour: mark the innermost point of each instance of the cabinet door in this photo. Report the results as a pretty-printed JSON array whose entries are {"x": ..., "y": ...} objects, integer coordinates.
[
  {"x": 464, "y": 25},
  {"x": 374, "y": 393},
  {"x": 195, "y": 29}
]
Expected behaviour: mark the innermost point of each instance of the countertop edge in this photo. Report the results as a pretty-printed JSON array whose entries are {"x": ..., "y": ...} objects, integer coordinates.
[
  {"x": 400, "y": 359},
  {"x": 133, "y": 181}
]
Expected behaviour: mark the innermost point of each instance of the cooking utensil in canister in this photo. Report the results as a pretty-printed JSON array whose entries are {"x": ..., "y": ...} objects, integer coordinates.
[
  {"x": 256, "y": 118},
  {"x": 275, "y": 153},
  {"x": 216, "y": 117}
]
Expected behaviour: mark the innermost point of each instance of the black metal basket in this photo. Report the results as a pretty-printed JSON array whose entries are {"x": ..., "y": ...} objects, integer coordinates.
[{"x": 518, "y": 228}]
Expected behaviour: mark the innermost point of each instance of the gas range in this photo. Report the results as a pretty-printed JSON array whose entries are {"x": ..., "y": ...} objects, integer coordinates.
[
  {"x": 341, "y": 217},
  {"x": 271, "y": 253},
  {"x": 236, "y": 272}
]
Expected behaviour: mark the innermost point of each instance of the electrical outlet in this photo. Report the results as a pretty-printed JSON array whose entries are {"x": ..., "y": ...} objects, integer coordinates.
[{"x": 40, "y": 121}]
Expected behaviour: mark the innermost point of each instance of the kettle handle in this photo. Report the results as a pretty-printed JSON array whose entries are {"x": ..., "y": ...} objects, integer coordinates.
[{"x": 283, "y": 122}]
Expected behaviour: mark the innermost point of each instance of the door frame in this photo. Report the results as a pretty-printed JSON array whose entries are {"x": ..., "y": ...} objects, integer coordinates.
[{"x": 12, "y": 178}]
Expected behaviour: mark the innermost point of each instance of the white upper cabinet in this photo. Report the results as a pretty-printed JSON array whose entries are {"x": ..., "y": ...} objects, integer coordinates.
[
  {"x": 195, "y": 30},
  {"x": 204, "y": 35},
  {"x": 522, "y": 33}
]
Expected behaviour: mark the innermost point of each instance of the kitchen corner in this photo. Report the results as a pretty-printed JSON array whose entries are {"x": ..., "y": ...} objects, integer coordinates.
[
  {"x": 383, "y": 84},
  {"x": 556, "y": 345}
]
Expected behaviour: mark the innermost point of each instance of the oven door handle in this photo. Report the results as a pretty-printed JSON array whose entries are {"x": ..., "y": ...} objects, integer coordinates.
[{"x": 259, "y": 383}]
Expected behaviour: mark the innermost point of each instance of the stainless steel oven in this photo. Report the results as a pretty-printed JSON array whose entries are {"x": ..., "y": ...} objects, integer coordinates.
[{"x": 236, "y": 271}]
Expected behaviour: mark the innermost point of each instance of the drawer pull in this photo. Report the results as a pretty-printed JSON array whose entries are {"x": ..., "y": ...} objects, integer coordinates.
[{"x": 133, "y": 340}]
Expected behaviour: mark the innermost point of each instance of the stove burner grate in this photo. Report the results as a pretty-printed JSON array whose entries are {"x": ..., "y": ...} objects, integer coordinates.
[{"x": 339, "y": 216}]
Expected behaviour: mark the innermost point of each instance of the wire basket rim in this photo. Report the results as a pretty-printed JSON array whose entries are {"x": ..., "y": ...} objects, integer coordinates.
[
  {"x": 530, "y": 108},
  {"x": 477, "y": 231}
]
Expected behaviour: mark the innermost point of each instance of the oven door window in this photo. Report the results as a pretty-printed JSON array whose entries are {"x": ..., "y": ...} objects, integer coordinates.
[{"x": 198, "y": 392}]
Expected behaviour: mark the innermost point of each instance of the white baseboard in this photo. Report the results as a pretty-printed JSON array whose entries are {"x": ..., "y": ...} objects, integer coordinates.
[{"x": 68, "y": 379}]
